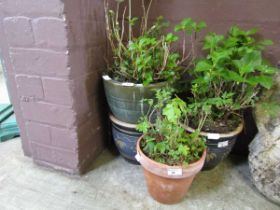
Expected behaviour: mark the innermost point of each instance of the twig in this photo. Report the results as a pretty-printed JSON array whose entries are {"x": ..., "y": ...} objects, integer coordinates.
[{"x": 129, "y": 21}]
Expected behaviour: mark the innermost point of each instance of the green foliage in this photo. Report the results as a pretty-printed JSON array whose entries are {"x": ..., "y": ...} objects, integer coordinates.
[
  {"x": 149, "y": 57},
  {"x": 232, "y": 74},
  {"x": 189, "y": 26},
  {"x": 166, "y": 141}
]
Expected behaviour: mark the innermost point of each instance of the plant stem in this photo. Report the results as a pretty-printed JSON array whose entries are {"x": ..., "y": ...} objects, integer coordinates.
[
  {"x": 147, "y": 16},
  {"x": 129, "y": 21}
]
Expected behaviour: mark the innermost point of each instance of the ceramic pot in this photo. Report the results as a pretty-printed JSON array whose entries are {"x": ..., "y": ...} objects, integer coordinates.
[
  {"x": 168, "y": 184},
  {"x": 125, "y": 137},
  {"x": 126, "y": 99},
  {"x": 219, "y": 145}
]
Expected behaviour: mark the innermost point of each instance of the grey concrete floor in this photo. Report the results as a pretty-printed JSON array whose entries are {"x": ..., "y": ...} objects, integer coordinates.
[
  {"x": 115, "y": 184},
  {"x": 4, "y": 97}
]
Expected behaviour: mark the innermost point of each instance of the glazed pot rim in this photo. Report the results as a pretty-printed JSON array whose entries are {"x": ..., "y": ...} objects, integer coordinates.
[
  {"x": 188, "y": 170},
  {"x": 235, "y": 132},
  {"x": 106, "y": 77},
  {"x": 121, "y": 123}
]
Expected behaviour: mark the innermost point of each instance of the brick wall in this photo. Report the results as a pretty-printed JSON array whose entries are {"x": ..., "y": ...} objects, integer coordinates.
[
  {"x": 87, "y": 49},
  {"x": 53, "y": 55}
]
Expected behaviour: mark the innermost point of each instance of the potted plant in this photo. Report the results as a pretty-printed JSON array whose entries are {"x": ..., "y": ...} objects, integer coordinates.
[
  {"x": 142, "y": 60},
  {"x": 229, "y": 79},
  {"x": 169, "y": 155}
]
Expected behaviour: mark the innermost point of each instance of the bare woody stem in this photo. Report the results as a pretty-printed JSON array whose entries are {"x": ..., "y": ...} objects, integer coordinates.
[
  {"x": 147, "y": 16},
  {"x": 129, "y": 21}
]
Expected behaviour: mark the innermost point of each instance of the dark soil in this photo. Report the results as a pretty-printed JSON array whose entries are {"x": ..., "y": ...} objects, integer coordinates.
[{"x": 219, "y": 126}]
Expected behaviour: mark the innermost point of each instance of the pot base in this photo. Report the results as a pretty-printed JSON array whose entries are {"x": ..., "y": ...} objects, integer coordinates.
[
  {"x": 215, "y": 154},
  {"x": 167, "y": 191},
  {"x": 125, "y": 137}
]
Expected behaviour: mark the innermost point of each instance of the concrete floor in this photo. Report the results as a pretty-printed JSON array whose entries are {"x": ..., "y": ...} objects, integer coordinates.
[
  {"x": 4, "y": 97},
  {"x": 115, "y": 184}
]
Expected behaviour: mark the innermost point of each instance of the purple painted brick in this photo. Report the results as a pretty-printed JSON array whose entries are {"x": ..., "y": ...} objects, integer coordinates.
[
  {"x": 33, "y": 8},
  {"x": 42, "y": 153},
  {"x": 38, "y": 133},
  {"x": 92, "y": 147},
  {"x": 51, "y": 114},
  {"x": 64, "y": 138},
  {"x": 39, "y": 62},
  {"x": 18, "y": 31},
  {"x": 66, "y": 159},
  {"x": 30, "y": 86},
  {"x": 58, "y": 91},
  {"x": 83, "y": 59},
  {"x": 93, "y": 28},
  {"x": 50, "y": 33}
]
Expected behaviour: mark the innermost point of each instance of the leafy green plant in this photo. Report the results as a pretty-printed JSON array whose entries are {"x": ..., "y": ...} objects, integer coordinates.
[
  {"x": 166, "y": 141},
  {"x": 149, "y": 57},
  {"x": 232, "y": 75}
]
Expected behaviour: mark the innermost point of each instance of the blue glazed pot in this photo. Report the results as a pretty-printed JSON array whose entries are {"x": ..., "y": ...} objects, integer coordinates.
[
  {"x": 126, "y": 99},
  {"x": 218, "y": 146},
  {"x": 125, "y": 137}
]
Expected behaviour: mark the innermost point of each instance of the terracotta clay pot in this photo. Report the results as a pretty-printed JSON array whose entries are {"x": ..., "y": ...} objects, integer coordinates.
[{"x": 168, "y": 184}]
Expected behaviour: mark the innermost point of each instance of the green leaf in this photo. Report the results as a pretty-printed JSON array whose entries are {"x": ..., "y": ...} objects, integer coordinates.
[
  {"x": 187, "y": 25},
  {"x": 171, "y": 38},
  {"x": 267, "y": 69},
  {"x": 143, "y": 126},
  {"x": 232, "y": 76},
  {"x": 184, "y": 150},
  {"x": 231, "y": 42},
  {"x": 212, "y": 40},
  {"x": 149, "y": 147},
  {"x": 265, "y": 81},
  {"x": 203, "y": 65},
  {"x": 160, "y": 147},
  {"x": 172, "y": 113},
  {"x": 174, "y": 109},
  {"x": 249, "y": 62},
  {"x": 219, "y": 56},
  {"x": 148, "y": 78},
  {"x": 133, "y": 20},
  {"x": 200, "y": 26},
  {"x": 254, "y": 58}
]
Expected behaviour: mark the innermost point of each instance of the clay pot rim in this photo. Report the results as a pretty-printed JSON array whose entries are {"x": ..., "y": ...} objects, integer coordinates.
[
  {"x": 221, "y": 135},
  {"x": 121, "y": 123},
  {"x": 106, "y": 77},
  {"x": 165, "y": 166}
]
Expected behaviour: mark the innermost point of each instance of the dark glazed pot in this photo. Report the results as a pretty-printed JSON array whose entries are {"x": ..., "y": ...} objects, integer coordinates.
[
  {"x": 218, "y": 146},
  {"x": 168, "y": 184},
  {"x": 125, "y": 137},
  {"x": 126, "y": 99}
]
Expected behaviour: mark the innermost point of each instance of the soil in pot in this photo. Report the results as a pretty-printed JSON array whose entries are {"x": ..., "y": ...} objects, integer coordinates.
[
  {"x": 168, "y": 184},
  {"x": 125, "y": 137},
  {"x": 126, "y": 99}
]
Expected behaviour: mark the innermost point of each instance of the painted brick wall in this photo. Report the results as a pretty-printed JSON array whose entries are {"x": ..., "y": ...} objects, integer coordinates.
[
  {"x": 87, "y": 49},
  {"x": 53, "y": 56}
]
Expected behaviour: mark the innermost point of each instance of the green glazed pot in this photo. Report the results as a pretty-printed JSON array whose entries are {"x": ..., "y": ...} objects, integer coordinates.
[{"x": 126, "y": 99}]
